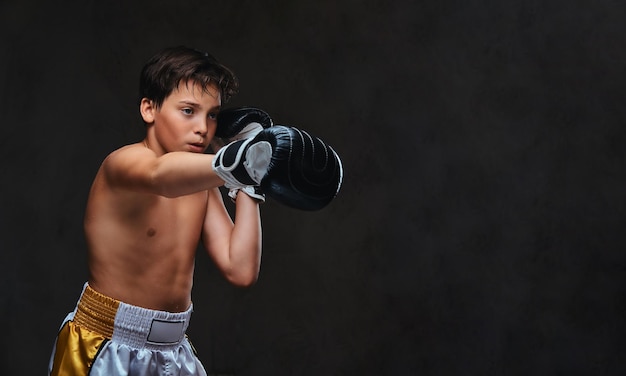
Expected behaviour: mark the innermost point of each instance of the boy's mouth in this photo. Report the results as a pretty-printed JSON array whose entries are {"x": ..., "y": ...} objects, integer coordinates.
[{"x": 197, "y": 146}]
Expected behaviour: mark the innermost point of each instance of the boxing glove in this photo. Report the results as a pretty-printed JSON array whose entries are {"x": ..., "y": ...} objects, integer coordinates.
[
  {"x": 242, "y": 122},
  {"x": 243, "y": 162},
  {"x": 304, "y": 172},
  {"x": 291, "y": 166}
]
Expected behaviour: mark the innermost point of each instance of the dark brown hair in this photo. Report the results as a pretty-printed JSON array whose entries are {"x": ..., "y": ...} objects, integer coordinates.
[{"x": 171, "y": 66}]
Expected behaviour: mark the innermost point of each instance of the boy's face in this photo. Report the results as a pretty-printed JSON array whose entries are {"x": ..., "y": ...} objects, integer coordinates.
[{"x": 186, "y": 120}]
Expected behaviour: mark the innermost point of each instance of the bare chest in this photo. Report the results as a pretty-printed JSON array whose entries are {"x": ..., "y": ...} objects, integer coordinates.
[{"x": 146, "y": 221}]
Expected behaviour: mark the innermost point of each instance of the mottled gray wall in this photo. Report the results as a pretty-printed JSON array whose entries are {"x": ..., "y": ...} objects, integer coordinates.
[{"x": 480, "y": 226}]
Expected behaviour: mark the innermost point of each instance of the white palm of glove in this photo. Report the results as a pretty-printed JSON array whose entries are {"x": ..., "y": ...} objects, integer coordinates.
[{"x": 255, "y": 162}]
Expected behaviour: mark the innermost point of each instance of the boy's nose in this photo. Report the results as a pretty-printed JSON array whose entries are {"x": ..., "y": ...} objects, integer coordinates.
[{"x": 202, "y": 127}]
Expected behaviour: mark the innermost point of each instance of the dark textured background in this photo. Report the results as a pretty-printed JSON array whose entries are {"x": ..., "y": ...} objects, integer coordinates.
[{"x": 479, "y": 230}]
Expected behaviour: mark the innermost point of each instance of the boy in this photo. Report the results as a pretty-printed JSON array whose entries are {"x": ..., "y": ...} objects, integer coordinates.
[{"x": 149, "y": 205}]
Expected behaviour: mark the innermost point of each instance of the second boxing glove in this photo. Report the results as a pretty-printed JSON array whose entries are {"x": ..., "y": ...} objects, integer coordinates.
[{"x": 241, "y": 122}]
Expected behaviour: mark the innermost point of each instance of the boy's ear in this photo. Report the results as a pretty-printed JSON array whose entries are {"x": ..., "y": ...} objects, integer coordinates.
[{"x": 147, "y": 109}]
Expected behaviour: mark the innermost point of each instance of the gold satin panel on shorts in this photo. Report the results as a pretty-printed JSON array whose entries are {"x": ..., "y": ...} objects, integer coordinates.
[{"x": 81, "y": 338}]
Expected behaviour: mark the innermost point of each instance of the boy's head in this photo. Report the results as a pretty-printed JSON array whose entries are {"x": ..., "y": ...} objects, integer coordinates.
[{"x": 168, "y": 68}]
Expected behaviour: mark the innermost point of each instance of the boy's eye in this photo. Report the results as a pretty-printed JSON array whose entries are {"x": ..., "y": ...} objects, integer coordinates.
[
  {"x": 187, "y": 111},
  {"x": 213, "y": 115}
]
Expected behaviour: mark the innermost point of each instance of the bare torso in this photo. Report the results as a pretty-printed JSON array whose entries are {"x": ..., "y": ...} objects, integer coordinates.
[{"x": 142, "y": 246}]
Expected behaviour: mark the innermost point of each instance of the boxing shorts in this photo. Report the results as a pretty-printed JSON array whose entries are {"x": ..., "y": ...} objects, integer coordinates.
[{"x": 104, "y": 336}]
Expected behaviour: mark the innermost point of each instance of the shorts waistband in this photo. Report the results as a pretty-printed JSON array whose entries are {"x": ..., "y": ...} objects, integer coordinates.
[{"x": 128, "y": 324}]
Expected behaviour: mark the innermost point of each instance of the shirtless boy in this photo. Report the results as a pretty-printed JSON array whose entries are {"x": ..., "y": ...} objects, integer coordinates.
[{"x": 152, "y": 202}]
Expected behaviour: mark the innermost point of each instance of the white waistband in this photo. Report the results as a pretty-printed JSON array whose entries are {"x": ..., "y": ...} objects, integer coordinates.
[
  {"x": 140, "y": 327},
  {"x": 145, "y": 328}
]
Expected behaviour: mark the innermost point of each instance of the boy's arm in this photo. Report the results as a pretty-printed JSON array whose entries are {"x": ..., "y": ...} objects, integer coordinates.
[
  {"x": 234, "y": 247},
  {"x": 171, "y": 175}
]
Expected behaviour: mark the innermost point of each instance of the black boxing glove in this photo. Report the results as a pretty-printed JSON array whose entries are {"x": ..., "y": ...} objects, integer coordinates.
[
  {"x": 304, "y": 172},
  {"x": 243, "y": 162},
  {"x": 241, "y": 122},
  {"x": 291, "y": 166}
]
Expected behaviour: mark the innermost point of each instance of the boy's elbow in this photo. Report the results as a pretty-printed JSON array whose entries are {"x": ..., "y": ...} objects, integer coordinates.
[
  {"x": 244, "y": 280},
  {"x": 246, "y": 284}
]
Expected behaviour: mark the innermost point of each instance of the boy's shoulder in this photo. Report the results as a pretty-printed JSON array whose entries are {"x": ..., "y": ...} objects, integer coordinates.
[
  {"x": 129, "y": 150},
  {"x": 125, "y": 148},
  {"x": 127, "y": 156}
]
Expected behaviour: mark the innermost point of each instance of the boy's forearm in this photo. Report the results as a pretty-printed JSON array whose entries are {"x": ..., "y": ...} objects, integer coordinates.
[
  {"x": 180, "y": 173},
  {"x": 246, "y": 241}
]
